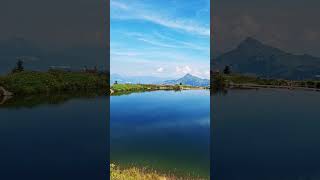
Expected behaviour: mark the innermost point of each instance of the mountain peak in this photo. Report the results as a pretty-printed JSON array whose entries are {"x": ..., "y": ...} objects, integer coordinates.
[
  {"x": 188, "y": 75},
  {"x": 250, "y": 39},
  {"x": 189, "y": 79},
  {"x": 250, "y": 42},
  {"x": 260, "y": 59}
]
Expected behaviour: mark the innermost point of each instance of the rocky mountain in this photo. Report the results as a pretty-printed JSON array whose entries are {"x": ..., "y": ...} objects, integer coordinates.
[
  {"x": 189, "y": 79},
  {"x": 254, "y": 57}
]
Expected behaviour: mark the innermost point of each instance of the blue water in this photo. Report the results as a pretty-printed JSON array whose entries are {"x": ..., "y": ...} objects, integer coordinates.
[
  {"x": 266, "y": 135},
  {"x": 63, "y": 141},
  {"x": 166, "y": 131}
]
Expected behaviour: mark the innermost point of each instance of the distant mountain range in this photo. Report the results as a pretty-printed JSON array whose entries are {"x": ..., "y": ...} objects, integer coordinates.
[
  {"x": 191, "y": 80},
  {"x": 253, "y": 57},
  {"x": 136, "y": 79},
  {"x": 188, "y": 79}
]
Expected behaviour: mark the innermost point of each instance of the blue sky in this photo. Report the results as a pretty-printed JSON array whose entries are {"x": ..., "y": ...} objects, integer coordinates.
[{"x": 162, "y": 38}]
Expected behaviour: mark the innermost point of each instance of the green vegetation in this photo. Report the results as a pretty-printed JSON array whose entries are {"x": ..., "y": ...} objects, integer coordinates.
[
  {"x": 218, "y": 82},
  {"x": 236, "y": 80},
  {"x": 242, "y": 79},
  {"x": 129, "y": 88},
  {"x": 31, "y": 82},
  {"x": 134, "y": 173}
]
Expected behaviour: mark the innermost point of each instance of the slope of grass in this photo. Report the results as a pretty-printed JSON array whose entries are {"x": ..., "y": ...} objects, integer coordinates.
[{"x": 30, "y": 82}]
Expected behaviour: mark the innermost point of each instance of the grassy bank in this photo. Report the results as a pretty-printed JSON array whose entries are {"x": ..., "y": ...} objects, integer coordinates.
[
  {"x": 116, "y": 173},
  {"x": 129, "y": 88},
  {"x": 133, "y": 174},
  {"x": 238, "y": 80},
  {"x": 30, "y": 82},
  {"x": 242, "y": 79}
]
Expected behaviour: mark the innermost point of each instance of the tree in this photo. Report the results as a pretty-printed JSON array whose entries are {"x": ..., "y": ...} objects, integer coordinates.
[
  {"x": 116, "y": 82},
  {"x": 19, "y": 67},
  {"x": 227, "y": 70}
]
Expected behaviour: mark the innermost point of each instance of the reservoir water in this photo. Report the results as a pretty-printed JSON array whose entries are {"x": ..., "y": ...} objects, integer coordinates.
[
  {"x": 54, "y": 137},
  {"x": 166, "y": 131},
  {"x": 263, "y": 134},
  {"x": 266, "y": 134}
]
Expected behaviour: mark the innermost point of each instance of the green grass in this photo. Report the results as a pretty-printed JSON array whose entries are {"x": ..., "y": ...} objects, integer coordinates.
[
  {"x": 125, "y": 88},
  {"x": 30, "y": 82},
  {"x": 244, "y": 79}
]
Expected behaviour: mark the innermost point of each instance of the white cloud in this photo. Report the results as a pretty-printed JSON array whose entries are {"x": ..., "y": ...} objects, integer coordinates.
[
  {"x": 160, "y": 69},
  {"x": 199, "y": 72},
  {"x": 183, "y": 69}
]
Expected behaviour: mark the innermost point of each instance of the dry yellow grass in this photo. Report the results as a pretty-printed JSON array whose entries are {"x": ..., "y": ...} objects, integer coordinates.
[
  {"x": 133, "y": 174},
  {"x": 116, "y": 173}
]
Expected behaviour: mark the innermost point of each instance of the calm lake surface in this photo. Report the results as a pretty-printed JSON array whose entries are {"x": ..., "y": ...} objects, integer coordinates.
[
  {"x": 65, "y": 141},
  {"x": 163, "y": 130},
  {"x": 266, "y": 135}
]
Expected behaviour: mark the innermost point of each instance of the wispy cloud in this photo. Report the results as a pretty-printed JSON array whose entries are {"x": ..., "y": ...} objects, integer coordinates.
[
  {"x": 117, "y": 4},
  {"x": 183, "y": 44},
  {"x": 159, "y": 39},
  {"x": 127, "y": 54},
  {"x": 153, "y": 38},
  {"x": 157, "y": 43},
  {"x": 187, "y": 26},
  {"x": 130, "y": 13}
]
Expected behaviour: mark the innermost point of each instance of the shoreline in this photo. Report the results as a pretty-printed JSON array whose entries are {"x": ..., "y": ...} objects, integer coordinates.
[
  {"x": 257, "y": 86},
  {"x": 135, "y": 88},
  {"x": 240, "y": 81}
]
